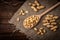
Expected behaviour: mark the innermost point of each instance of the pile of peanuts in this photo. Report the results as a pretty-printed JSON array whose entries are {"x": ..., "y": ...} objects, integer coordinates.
[
  {"x": 30, "y": 21},
  {"x": 23, "y": 12},
  {"x": 40, "y": 31},
  {"x": 36, "y": 6},
  {"x": 50, "y": 22}
]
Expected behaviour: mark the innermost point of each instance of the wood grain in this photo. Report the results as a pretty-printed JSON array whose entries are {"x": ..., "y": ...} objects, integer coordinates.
[{"x": 7, "y": 9}]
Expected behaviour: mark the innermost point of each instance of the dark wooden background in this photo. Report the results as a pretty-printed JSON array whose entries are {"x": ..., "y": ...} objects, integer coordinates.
[{"x": 7, "y": 9}]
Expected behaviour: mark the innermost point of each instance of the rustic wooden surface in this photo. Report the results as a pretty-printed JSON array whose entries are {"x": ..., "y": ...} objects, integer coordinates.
[
  {"x": 7, "y": 9},
  {"x": 30, "y": 33}
]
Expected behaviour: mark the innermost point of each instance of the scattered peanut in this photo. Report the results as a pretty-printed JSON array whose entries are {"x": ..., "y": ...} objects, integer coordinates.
[
  {"x": 40, "y": 7},
  {"x": 53, "y": 23},
  {"x": 36, "y": 2},
  {"x": 35, "y": 29},
  {"x": 54, "y": 28},
  {"x": 26, "y": 11},
  {"x": 33, "y": 4},
  {"x": 18, "y": 19},
  {"x": 34, "y": 8},
  {"x": 55, "y": 17},
  {"x": 45, "y": 24},
  {"x": 49, "y": 26},
  {"x": 52, "y": 20}
]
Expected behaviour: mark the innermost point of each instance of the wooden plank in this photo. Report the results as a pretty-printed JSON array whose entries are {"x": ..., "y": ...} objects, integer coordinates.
[
  {"x": 6, "y": 12},
  {"x": 30, "y": 32}
]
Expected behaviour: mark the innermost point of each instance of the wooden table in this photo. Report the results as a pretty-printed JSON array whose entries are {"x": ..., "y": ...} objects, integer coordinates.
[{"x": 7, "y": 9}]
